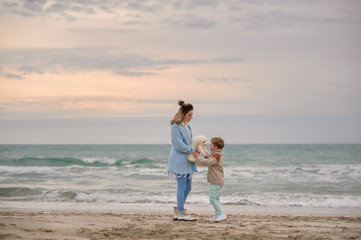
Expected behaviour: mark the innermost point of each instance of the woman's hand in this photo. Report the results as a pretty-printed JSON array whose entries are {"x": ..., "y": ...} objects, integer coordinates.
[{"x": 195, "y": 154}]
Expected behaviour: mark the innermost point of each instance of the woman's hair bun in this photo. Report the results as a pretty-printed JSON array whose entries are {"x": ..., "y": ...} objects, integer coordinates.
[{"x": 180, "y": 102}]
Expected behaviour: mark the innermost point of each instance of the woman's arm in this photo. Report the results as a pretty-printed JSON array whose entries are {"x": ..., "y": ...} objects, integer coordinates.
[{"x": 178, "y": 142}]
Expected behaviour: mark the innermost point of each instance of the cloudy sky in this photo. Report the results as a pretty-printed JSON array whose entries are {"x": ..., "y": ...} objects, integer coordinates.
[{"x": 107, "y": 71}]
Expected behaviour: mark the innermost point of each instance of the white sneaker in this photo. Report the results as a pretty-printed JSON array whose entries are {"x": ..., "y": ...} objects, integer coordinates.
[
  {"x": 176, "y": 213},
  {"x": 220, "y": 218},
  {"x": 213, "y": 218},
  {"x": 183, "y": 216}
]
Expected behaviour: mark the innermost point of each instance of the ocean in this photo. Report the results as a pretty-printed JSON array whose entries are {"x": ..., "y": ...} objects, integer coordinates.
[{"x": 308, "y": 175}]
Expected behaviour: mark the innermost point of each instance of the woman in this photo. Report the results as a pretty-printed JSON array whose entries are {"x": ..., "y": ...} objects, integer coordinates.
[{"x": 178, "y": 165}]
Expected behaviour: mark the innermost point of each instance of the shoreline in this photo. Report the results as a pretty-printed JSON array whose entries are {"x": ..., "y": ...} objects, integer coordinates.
[{"x": 167, "y": 208}]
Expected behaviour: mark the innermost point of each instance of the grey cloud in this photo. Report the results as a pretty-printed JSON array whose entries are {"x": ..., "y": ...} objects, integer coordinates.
[
  {"x": 6, "y": 5},
  {"x": 129, "y": 64},
  {"x": 135, "y": 23},
  {"x": 268, "y": 15},
  {"x": 196, "y": 4},
  {"x": 205, "y": 2},
  {"x": 279, "y": 19},
  {"x": 11, "y": 76},
  {"x": 62, "y": 8},
  {"x": 35, "y": 5},
  {"x": 30, "y": 8},
  {"x": 29, "y": 69},
  {"x": 189, "y": 23},
  {"x": 68, "y": 8},
  {"x": 200, "y": 14},
  {"x": 24, "y": 8},
  {"x": 229, "y": 59},
  {"x": 199, "y": 23},
  {"x": 57, "y": 7},
  {"x": 144, "y": 6}
]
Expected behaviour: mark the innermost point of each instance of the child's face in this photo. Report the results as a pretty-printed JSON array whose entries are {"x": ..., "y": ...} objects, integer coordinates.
[{"x": 213, "y": 147}]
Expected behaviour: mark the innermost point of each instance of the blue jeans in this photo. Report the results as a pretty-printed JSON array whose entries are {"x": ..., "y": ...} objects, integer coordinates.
[
  {"x": 214, "y": 198},
  {"x": 183, "y": 189}
]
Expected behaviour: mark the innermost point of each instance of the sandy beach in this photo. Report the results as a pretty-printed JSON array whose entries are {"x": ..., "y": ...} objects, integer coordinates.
[{"x": 155, "y": 222}]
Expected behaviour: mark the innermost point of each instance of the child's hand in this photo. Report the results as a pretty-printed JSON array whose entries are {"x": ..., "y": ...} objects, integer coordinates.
[{"x": 195, "y": 154}]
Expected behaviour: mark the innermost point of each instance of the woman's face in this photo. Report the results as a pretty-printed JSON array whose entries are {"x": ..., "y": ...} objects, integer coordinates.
[{"x": 188, "y": 117}]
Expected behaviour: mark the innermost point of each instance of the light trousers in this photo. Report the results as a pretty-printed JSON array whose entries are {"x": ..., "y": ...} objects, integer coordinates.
[{"x": 214, "y": 197}]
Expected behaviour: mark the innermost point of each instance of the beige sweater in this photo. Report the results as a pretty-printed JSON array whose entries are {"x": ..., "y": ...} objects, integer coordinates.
[{"x": 214, "y": 162}]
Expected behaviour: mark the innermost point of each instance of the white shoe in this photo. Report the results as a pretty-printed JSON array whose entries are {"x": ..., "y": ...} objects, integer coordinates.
[
  {"x": 176, "y": 213},
  {"x": 213, "y": 218},
  {"x": 183, "y": 216},
  {"x": 220, "y": 218}
]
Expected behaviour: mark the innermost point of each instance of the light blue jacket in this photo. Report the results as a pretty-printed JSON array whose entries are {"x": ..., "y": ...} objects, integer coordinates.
[{"x": 178, "y": 163}]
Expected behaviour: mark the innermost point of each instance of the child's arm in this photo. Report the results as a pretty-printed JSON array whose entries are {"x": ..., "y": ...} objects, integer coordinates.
[{"x": 208, "y": 161}]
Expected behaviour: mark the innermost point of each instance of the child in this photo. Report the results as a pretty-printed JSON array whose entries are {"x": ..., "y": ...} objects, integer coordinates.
[{"x": 215, "y": 175}]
